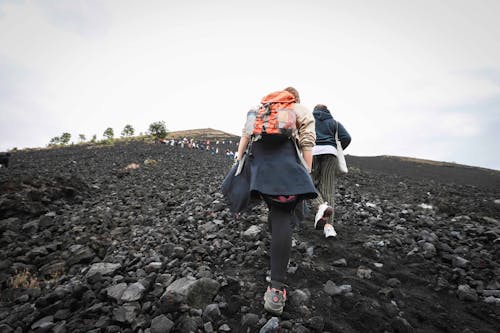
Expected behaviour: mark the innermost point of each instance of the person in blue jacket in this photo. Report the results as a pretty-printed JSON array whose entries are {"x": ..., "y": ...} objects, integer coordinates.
[{"x": 324, "y": 166}]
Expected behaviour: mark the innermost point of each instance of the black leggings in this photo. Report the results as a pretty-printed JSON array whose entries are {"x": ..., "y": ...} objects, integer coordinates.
[{"x": 280, "y": 222}]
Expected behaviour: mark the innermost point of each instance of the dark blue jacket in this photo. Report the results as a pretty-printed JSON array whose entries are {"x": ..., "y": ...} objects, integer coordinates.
[{"x": 326, "y": 128}]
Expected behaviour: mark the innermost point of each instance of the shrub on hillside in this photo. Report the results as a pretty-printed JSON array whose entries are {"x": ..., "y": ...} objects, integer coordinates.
[
  {"x": 158, "y": 130},
  {"x": 109, "y": 133},
  {"x": 128, "y": 131}
]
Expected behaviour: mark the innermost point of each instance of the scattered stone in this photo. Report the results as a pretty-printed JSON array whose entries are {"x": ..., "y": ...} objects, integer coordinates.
[
  {"x": 460, "y": 262},
  {"x": 188, "y": 290},
  {"x": 393, "y": 282},
  {"x": 249, "y": 321},
  {"x": 116, "y": 292},
  {"x": 45, "y": 324},
  {"x": 340, "y": 262},
  {"x": 225, "y": 328},
  {"x": 364, "y": 272},
  {"x": 401, "y": 325},
  {"x": 133, "y": 292},
  {"x": 125, "y": 314},
  {"x": 103, "y": 268},
  {"x": 252, "y": 232},
  {"x": 271, "y": 326},
  {"x": 161, "y": 324},
  {"x": 466, "y": 293}
]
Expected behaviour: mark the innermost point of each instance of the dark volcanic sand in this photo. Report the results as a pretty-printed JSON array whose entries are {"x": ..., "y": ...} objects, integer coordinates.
[{"x": 413, "y": 254}]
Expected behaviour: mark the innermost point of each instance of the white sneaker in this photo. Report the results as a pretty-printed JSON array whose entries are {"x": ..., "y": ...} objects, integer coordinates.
[
  {"x": 324, "y": 211},
  {"x": 329, "y": 231}
]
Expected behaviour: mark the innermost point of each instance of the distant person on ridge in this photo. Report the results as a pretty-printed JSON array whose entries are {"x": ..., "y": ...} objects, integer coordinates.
[
  {"x": 324, "y": 166},
  {"x": 275, "y": 167}
]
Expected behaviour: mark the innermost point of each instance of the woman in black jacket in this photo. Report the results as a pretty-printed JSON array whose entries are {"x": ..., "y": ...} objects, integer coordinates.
[{"x": 324, "y": 166}]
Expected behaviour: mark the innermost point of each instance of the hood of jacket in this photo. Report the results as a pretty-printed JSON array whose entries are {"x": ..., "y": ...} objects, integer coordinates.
[{"x": 321, "y": 113}]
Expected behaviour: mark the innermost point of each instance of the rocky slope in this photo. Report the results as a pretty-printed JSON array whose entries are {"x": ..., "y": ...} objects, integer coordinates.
[{"x": 90, "y": 242}]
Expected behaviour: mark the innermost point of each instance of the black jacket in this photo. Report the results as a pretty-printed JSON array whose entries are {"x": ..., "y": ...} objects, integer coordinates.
[{"x": 326, "y": 127}]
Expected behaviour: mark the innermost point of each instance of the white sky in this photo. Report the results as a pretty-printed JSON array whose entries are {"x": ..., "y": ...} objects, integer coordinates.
[{"x": 412, "y": 78}]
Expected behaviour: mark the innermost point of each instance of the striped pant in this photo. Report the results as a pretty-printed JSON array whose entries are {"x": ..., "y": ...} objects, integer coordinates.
[{"x": 324, "y": 168}]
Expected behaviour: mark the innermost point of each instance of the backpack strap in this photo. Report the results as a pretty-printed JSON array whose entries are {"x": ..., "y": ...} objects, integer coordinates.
[
  {"x": 299, "y": 154},
  {"x": 242, "y": 160}
]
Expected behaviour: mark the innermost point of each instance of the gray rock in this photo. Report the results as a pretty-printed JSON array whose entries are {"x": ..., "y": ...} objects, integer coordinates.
[
  {"x": 429, "y": 250},
  {"x": 495, "y": 283},
  {"x": 491, "y": 220},
  {"x": 38, "y": 251},
  {"x": 495, "y": 293},
  {"x": 208, "y": 228},
  {"x": 133, "y": 292},
  {"x": 317, "y": 323},
  {"x": 364, "y": 273},
  {"x": 345, "y": 288},
  {"x": 427, "y": 236},
  {"x": 492, "y": 300},
  {"x": 460, "y": 262},
  {"x": 103, "y": 268},
  {"x": 249, "y": 321},
  {"x": 393, "y": 282},
  {"x": 178, "y": 252},
  {"x": 46, "y": 221},
  {"x": 208, "y": 327},
  {"x": 30, "y": 227},
  {"x": 45, "y": 323},
  {"x": 12, "y": 224},
  {"x": 340, "y": 263},
  {"x": 271, "y": 326},
  {"x": 125, "y": 314},
  {"x": 224, "y": 328},
  {"x": 4, "y": 328},
  {"x": 252, "y": 233},
  {"x": 153, "y": 267},
  {"x": 211, "y": 313},
  {"x": 299, "y": 328},
  {"x": 60, "y": 327},
  {"x": 116, "y": 292},
  {"x": 333, "y": 290},
  {"x": 299, "y": 297},
  {"x": 161, "y": 324},
  {"x": 466, "y": 293},
  {"x": 401, "y": 325},
  {"x": 53, "y": 268},
  {"x": 188, "y": 290},
  {"x": 187, "y": 324},
  {"x": 80, "y": 253}
]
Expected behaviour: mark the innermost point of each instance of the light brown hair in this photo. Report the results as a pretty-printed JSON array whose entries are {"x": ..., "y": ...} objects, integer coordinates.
[{"x": 294, "y": 92}]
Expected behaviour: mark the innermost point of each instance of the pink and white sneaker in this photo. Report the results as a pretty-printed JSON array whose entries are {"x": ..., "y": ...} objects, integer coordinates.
[{"x": 324, "y": 212}]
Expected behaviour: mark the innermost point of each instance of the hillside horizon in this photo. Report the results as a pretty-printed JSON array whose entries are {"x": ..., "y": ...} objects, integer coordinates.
[{"x": 214, "y": 134}]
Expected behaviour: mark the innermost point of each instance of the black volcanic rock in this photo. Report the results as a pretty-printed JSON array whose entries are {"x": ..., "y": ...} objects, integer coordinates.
[{"x": 155, "y": 249}]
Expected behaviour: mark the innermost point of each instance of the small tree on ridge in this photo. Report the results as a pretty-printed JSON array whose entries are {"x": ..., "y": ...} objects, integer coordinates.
[
  {"x": 65, "y": 137},
  {"x": 128, "y": 131},
  {"x": 158, "y": 130},
  {"x": 109, "y": 133}
]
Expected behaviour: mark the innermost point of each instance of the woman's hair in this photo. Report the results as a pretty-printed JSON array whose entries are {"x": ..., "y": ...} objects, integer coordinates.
[
  {"x": 321, "y": 107},
  {"x": 294, "y": 92}
]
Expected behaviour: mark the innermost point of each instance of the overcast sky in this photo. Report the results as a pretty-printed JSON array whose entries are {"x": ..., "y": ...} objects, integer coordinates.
[{"x": 411, "y": 78}]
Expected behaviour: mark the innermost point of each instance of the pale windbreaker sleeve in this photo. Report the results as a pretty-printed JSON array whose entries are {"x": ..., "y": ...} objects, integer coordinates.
[{"x": 305, "y": 127}]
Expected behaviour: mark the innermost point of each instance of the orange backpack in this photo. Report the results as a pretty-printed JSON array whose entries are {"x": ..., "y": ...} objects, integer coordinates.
[{"x": 276, "y": 115}]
